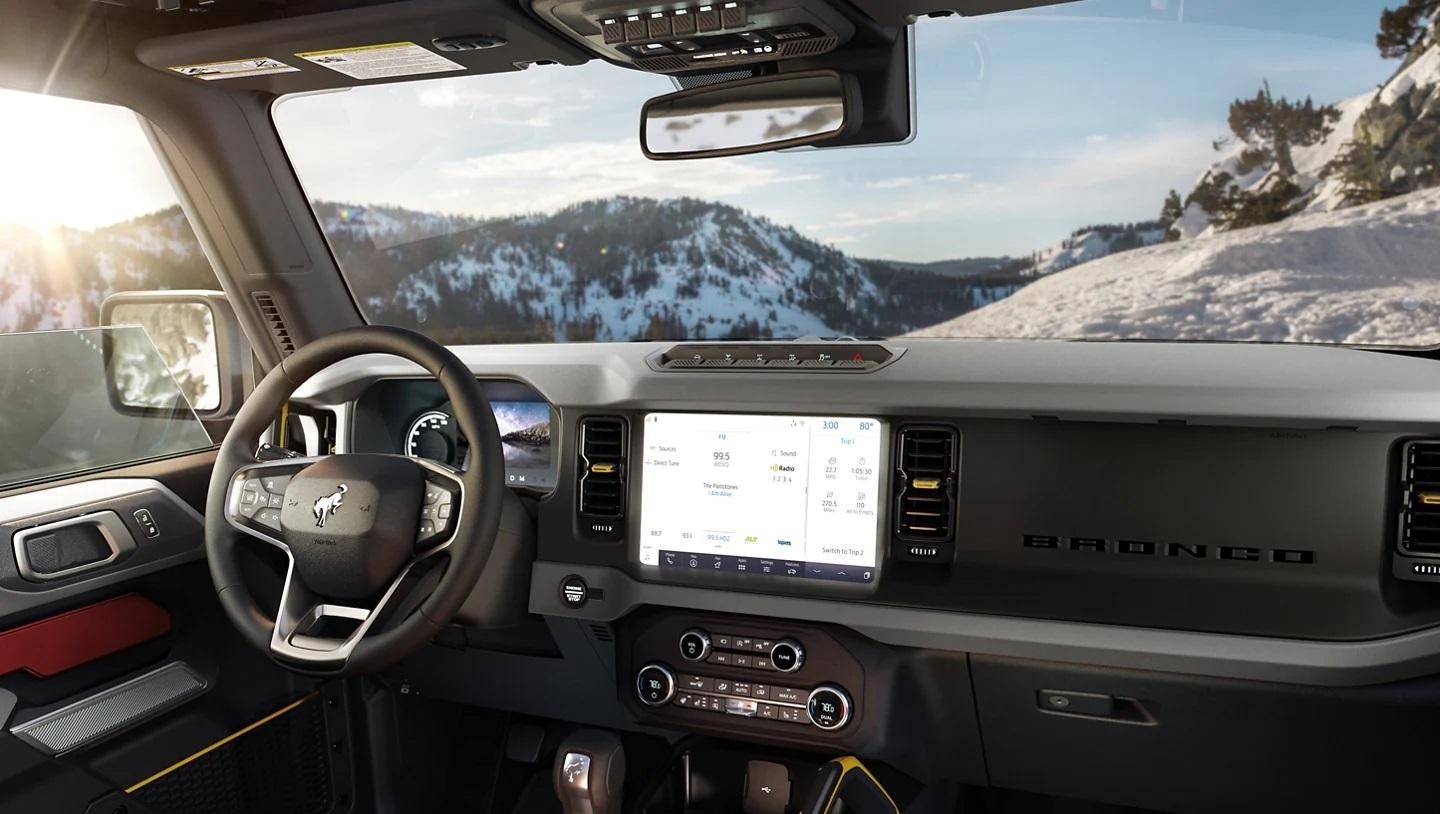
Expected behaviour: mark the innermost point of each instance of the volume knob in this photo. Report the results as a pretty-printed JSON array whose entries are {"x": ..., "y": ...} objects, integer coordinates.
[{"x": 694, "y": 644}]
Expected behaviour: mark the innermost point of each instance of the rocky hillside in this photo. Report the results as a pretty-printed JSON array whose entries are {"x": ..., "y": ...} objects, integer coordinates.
[
  {"x": 633, "y": 268},
  {"x": 1283, "y": 158}
]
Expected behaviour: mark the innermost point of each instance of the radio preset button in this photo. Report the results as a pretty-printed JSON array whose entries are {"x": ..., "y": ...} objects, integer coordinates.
[
  {"x": 787, "y": 655},
  {"x": 694, "y": 645},
  {"x": 655, "y": 685}
]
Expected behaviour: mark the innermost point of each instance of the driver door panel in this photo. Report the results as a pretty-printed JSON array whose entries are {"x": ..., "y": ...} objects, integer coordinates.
[{"x": 140, "y": 639}]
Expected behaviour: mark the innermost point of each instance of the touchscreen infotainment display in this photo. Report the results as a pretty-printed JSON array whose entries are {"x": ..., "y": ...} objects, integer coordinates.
[{"x": 786, "y": 496}]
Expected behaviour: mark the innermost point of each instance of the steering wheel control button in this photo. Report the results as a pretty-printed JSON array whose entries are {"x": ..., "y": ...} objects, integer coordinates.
[
  {"x": 787, "y": 655},
  {"x": 694, "y": 645},
  {"x": 434, "y": 513},
  {"x": 829, "y": 707},
  {"x": 269, "y": 518},
  {"x": 574, "y": 591},
  {"x": 276, "y": 485},
  {"x": 655, "y": 685}
]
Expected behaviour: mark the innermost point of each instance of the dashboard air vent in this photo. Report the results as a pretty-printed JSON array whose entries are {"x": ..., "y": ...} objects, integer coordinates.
[
  {"x": 602, "y": 476},
  {"x": 1420, "y": 518},
  {"x": 926, "y": 481},
  {"x": 274, "y": 321}
]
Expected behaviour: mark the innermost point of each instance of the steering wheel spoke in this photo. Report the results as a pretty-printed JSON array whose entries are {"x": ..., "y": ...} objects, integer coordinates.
[
  {"x": 321, "y": 634},
  {"x": 256, "y": 497}
]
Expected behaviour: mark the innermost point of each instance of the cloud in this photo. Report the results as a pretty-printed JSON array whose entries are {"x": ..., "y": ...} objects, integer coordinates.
[
  {"x": 916, "y": 180},
  {"x": 558, "y": 175},
  {"x": 494, "y": 108}
]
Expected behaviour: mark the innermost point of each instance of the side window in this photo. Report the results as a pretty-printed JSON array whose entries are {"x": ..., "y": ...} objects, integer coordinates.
[{"x": 86, "y": 213}]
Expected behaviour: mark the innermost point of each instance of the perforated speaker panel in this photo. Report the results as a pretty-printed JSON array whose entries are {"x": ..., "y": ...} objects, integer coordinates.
[{"x": 110, "y": 712}]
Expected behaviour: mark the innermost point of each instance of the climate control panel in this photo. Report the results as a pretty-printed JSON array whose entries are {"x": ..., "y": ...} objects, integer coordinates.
[
  {"x": 827, "y": 706},
  {"x": 732, "y": 675}
]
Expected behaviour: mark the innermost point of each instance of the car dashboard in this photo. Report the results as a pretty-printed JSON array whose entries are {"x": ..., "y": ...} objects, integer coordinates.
[{"x": 1082, "y": 551}]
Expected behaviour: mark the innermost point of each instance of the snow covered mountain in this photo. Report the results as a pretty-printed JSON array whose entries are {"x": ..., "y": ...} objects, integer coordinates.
[
  {"x": 57, "y": 278},
  {"x": 1363, "y": 275},
  {"x": 1087, "y": 244},
  {"x": 633, "y": 268}
]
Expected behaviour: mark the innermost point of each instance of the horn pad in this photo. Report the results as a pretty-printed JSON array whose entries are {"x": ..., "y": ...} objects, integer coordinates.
[{"x": 351, "y": 523}]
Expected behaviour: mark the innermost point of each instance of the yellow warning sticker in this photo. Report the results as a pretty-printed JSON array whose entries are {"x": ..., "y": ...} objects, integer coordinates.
[
  {"x": 235, "y": 68},
  {"x": 383, "y": 61}
]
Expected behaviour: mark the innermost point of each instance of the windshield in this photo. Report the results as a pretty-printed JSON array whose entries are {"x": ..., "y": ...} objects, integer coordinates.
[{"x": 1106, "y": 169}]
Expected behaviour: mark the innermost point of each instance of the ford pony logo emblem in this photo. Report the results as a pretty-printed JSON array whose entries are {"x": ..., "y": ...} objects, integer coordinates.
[{"x": 326, "y": 506}]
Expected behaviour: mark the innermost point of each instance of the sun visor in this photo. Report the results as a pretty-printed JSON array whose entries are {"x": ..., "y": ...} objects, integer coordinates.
[{"x": 370, "y": 45}]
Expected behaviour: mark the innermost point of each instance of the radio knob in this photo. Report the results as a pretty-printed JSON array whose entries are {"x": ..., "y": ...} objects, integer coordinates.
[
  {"x": 787, "y": 655},
  {"x": 829, "y": 707},
  {"x": 694, "y": 644},
  {"x": 655, "y": 684}
]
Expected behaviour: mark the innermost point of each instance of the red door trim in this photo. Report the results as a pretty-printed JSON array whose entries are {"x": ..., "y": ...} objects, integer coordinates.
[{"x": 70, "y": 639}]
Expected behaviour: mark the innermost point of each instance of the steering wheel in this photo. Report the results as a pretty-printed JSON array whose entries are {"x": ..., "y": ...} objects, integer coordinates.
[{"x": 354, "y": 527}]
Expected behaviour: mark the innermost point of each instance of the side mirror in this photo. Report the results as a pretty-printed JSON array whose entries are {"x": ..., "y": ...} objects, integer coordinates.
[
  {"x": 750, "y": 116},
  {"x": 195, "y": 333}
]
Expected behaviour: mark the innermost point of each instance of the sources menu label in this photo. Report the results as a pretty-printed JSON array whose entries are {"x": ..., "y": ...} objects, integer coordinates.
[{"x": 777, "y": 495}]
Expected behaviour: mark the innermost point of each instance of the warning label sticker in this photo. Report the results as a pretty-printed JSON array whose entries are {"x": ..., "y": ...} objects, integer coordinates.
[
  {"x": 382, "y": 61},
  {"x": 235, "y": 68}
]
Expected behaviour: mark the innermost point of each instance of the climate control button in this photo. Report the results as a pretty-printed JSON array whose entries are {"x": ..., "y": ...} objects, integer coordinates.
[
  {"x": 787, "y": 655},
  {"x": 694, "y": 644},
  {"x": 655, "y": 685},
  {"x": 829, "y": 707}
]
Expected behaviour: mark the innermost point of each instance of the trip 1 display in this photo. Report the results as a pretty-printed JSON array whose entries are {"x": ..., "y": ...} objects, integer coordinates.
[{"x": 787, "y": 496}]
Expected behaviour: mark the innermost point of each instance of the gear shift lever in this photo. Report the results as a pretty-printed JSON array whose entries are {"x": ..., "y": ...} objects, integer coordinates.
[{"x": 590, "y": 773}]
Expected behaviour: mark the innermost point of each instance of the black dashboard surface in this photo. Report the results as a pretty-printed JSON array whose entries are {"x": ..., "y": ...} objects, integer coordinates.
[{"x": 1238, "y": 491}]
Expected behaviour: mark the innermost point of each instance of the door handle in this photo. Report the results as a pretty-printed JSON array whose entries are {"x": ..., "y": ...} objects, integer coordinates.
[{"x": 71, "y": 546}]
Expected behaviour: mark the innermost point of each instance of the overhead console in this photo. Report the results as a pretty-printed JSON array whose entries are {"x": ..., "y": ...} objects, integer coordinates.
[{"x": 677, "y": 37}]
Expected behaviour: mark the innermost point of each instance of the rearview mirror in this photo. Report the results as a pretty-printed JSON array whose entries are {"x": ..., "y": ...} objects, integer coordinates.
[{"x": 750, "y": 116}]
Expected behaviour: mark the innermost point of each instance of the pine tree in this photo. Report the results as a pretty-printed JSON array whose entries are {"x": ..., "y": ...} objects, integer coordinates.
[
  {"x": 1358, "y": 167},
  {"x": 1282, "y": 124},
  {"x": 1403, "y": 28},
  {"x": 1170, "y": 214}
]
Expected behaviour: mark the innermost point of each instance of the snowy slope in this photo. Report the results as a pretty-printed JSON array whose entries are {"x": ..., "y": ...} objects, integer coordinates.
[{"x": 1366, "y": 275}]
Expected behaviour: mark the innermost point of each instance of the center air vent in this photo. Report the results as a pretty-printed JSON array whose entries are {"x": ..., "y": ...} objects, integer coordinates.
[
  {"x": 926, "y": 482},
  {"x": 1420, "y": 518},
  {"x": 601, "y": 500}
]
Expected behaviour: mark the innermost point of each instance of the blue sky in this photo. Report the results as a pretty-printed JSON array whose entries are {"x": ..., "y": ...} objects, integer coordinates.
[{"x": 1030, "y": 125}]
